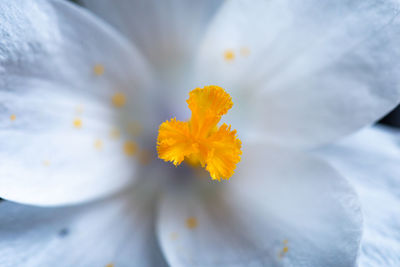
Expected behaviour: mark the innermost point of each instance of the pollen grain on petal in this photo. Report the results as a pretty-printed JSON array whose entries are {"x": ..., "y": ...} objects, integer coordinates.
[
  {"x": 77, "y": 123},
  {"x": 200, "y": 141},
  {"x": 98, "y": 69},
  {"x": 98, "y": 144},
  {"x": 115, "y": 133},
  {"x": 229, "y": 55},
  {"x": 285, "y": 249},
  {"x": 110, "y": 265},
  {"x": 46, "y": 162},
  {"x": 245, "y": 51},
  {"x": 191, "y": 223},
  {"x": 130, "y": 148},
  {"x": 13, "y": 117},
  {"x": 118, "y": 100}
]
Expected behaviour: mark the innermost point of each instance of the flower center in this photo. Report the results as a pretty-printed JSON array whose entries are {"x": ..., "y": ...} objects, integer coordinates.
[{"x": 200, "y": 140}]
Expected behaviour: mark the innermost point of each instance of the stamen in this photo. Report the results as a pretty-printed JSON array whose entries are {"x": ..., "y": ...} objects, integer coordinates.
[
  {"x": 130, "y": 148},
  {"x": 200, "y": 141},
  {"x": 98, "y": 69},
  {"x": 118, "y": 100},
  {"x": 245, "y": 51},
  {"x": 13, "y": 117},
  {"x": 115, "y": 133},
  {"x": 285, "y": 249},
  {"x": 98, "y": 144},
  {"x": 229, "y": 55},
  {"x": 77, "y": 123},
  {"x": 191, "y": 223}
]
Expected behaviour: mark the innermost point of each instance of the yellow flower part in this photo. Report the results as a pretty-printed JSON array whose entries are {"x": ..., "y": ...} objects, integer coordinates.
[
  {"x": 200, "y": 140},
  {"x": 229, "y": 55}
]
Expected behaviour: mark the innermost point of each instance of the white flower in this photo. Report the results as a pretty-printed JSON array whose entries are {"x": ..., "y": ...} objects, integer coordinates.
[
  {"x": 80, "y": 106},
  {"x": 370, "y": 159}
]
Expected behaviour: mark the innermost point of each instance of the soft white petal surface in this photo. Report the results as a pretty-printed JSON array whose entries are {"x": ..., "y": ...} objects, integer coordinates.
[
  {"x": 370, "y": 159},
  {"x": 305, "y": 72},
  {"x": 117, "y": 231},
  {"x": 275, "y": 196},
  {"x": 166, "y": 31},
  {"x": 48, "y": 50}
]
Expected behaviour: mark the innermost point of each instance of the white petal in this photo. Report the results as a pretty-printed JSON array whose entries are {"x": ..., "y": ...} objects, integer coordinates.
[
  {"x": 48, "y": 50},
  {"x": 117, "y": 231},
  {"x": 306, "y": 72},
  {"x": 166, "y": 31},
  {"x": 370, "y": 159},
  {"x": 277, "y": 199}
]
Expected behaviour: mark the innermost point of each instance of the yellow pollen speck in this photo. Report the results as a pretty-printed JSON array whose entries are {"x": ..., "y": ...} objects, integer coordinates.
[
  {"x": 98, "y": 69},
  {"x": 285, "y": 249},
  {"x": 229, "y": 55},
  {"x": 174, "y": 236},
  {"x": 200, "y": 141},
  {"x": 98, "y": 144},
  {"x": 77, "y": 123},
  {"x": 115, "y": 133},
  {"x": 191, "y": 223},
  {"x": 110, "y": 265},
  {"x": 130, "y": 148},
  {"x": 118, "y": 100},
  {"x": 46, "y": 163},
  {"x": 245, "y": 51},
  {"x": 13, "y": 117}
]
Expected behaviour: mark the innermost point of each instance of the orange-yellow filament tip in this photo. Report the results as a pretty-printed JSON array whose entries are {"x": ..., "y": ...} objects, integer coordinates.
[{"x": 218, "y": 149}]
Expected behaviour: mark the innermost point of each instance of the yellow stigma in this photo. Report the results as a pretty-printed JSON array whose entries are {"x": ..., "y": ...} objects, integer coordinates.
[{"x": 200, "y": 139}]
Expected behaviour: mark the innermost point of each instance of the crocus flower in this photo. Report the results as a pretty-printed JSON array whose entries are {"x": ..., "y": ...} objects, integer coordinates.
[{"x": 83, "y": 96}]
